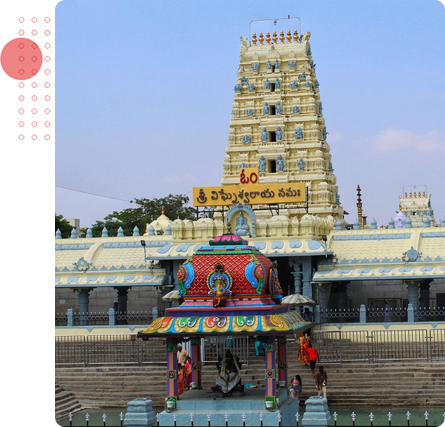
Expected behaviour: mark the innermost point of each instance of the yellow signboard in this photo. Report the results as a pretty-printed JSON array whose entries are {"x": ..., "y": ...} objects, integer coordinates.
[{"x": 255, "y": 194}]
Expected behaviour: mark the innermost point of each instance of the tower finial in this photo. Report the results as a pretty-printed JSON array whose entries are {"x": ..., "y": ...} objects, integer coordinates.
[
  {"x": 282, "y": 37},
  {"x": 261, "y": 38},
  {"x": 289, "y": 36},
  {"x": 359, "y": 206},
  {"x": 295, "y": 36},
  {"x": 162, "y": 211},
  {"x": 275, "y": 38},
  {"x": 254, "y": 39},
  {"x": 268, "y": 37}
]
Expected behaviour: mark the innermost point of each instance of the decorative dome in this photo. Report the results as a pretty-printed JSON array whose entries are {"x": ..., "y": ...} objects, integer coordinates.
[{"x": 228, "y": 273}]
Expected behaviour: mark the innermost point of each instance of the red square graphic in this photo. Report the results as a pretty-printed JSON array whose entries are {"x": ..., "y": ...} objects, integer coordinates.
[{"x": 27, "y": 78}]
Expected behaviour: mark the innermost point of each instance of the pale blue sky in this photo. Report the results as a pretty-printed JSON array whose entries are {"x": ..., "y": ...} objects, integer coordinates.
[{"x": 144, "y": 91}]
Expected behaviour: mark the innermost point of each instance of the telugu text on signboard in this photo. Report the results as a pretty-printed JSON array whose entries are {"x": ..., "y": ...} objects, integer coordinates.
[{"x": 254, "y": 194}]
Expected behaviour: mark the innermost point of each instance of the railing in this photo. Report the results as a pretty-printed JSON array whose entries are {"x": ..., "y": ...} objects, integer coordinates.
[
  {"x": 217, "y": 346},
  {"x": 110, "y": 318},
  {"x": 373, "y": 346},
  {"x": 379, "y": 315},
  {"x": 109, "y": 349}
]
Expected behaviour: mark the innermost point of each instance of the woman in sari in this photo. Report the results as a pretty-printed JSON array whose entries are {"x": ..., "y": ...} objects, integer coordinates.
[
  {"x": 303, "y": 357},
  {"x": 188, "y": 371},
  {"x": 180, "y": 379}
]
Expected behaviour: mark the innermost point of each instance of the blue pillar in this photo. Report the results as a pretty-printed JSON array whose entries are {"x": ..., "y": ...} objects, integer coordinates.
[
  {"x": 410, "y": 312},
  {"x": 154, "y": 312},
  {"x": 362, "y": 313},
  {"x": 317, "y": 314},
  {"x": 70, "y": 317},
  {"x": 307, "y": 277},
  {"x": 413, "y": 294},
  {"x": 112, "y": 316},
  {"x": 324, "y": 297},
  {"x": 84, "y": 299}
]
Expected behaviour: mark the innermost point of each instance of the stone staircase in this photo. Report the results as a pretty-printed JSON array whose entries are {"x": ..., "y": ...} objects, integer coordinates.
[
  {"x": 416, "y": 383},
  {"x": 65, "y": 402}
]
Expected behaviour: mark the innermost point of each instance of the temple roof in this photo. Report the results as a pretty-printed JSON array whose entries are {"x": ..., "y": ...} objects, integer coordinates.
[
  {"x": 403, "y": 253},
  {"x": 278, "y": 324}
]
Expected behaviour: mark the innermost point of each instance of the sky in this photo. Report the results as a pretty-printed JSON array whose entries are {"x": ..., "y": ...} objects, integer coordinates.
[{"x": 144, "y": 92}]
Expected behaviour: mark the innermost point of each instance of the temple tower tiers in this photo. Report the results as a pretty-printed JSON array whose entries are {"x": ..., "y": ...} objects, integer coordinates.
[{"x": 277, "y": 122}]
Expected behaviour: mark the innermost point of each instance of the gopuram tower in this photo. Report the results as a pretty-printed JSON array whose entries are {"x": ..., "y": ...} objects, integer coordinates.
[{"x": 277, "y": 123}]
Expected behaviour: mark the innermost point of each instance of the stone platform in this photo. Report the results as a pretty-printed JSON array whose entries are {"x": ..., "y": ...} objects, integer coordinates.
[{"x": 201, "y": 403}]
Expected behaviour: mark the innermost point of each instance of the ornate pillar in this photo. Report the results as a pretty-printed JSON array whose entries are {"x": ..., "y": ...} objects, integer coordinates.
[
  {"x": 172, "y": 374},
  {"x": 282, "y": 361},
  {"x": 83, "y": 296},
  {"x": 196, "y": 363},
  {"x": 122, "y": 298},
  {"x": 270, "y": 374},
  {"x": 413, "y": 296},
  {"x": 307, "y": 277},
  {"x": 425, "y": 293},
  {"x": 324, "y": 296}
]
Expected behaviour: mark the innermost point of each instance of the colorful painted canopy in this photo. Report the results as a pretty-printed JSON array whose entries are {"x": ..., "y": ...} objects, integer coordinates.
[{"x": 277, "y": 324}]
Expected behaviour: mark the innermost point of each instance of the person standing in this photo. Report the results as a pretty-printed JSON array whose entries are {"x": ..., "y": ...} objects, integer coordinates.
[
  {"x": 188, "y": 372},
  {"x": 182, "y": 359},
  {"x": 180, "y": 379},
  {"x": 296, "y": 386},
  {"x": 313, "y": 357},
  {"x": 321, "y": 381},
  {"x": 302, "y": 351}
]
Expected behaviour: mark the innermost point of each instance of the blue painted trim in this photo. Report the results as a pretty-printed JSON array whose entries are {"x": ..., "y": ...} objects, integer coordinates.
[
  {"x": 429, "y": 235},
  {"x": 107, "y": 285},
  {"x": 373, "y": 237},
  {"x": 73, "y": 247},
  {"x": 134, "y": 244},
  {"x": 277, "y": 244},
  {"x": 165, "y": 249},
  {"x": 295, "y": 244},
  {"x": 360, "y": 278},
  {"x": 183, "y": 248},
  {"x": 260, "y": 245}
]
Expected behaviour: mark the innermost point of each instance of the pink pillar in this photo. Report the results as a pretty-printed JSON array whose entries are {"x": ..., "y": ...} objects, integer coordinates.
[
  {"x": 282, "y": 361},
  {"x": 172, "y": 373},
  {"x": 196, "y": 362}
]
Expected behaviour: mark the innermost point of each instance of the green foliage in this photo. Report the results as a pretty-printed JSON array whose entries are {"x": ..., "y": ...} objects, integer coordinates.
[
  {"x": 175, "y": 206},
  {"x": 64, "y": 226}
]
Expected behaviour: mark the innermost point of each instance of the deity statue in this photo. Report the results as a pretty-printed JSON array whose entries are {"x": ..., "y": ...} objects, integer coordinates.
[
  {"x": 298, "y": 133},
  {"x": 291, "y": 64},
  {"x": 301, "y": 164},
  {"x": 266, "y": 108},
  {"x": 296, "y": 109},
  {"x": 280, "y": 163},
  {"x": 251, "y": 87},
  {"x": 267, "y": 84},
  {"x": 278, "y": 108},
  {"x": 255, "y": 66},
  {"x": 242, "y": 165},
  {"x": 264, "y": 135},
  {"x": 229, "y": 378},
  {"x": 238, "y": 88},
  {"x": 277, "y": 84},
  {"x": 303, "y": 76},
  {"x": 242, "y": 226},
  {"x": 244, "y": 80},
  {"x": 268, "y": 65},
  {"x": 294, "y": 85},
  {"x": 219, "y": 286},
  {"x": 246, "y": 139},
  {"x": 274, "y": 284},
  {"x": 337, "y": 199},
  {"x": 262, "y": 164},
  {"x": 277, "y": 64},
  {"x": 325, "y": 134},
  {"x": 249, "y": 112},
  {"x": 279, "y": 134}
]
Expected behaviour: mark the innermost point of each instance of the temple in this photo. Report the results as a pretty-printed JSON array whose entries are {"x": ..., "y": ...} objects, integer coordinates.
[{"x": 229, "y": 289}]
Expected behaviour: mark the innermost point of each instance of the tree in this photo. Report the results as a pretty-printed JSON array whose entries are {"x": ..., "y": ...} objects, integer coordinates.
[
  {"x": 64, "y": 226},
  {"x": 174, "y": 206}
]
